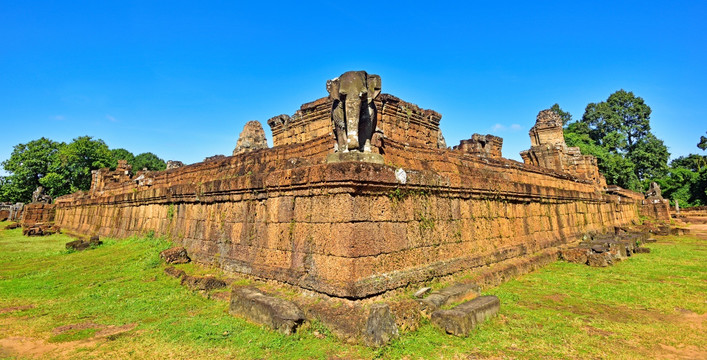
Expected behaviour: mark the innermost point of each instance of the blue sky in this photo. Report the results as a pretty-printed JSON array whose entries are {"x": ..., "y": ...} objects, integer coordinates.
[{"x": 180, "y": 79}]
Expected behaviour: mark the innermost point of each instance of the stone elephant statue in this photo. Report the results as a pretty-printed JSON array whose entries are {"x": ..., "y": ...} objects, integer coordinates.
[{"x": 353, "y": 111}]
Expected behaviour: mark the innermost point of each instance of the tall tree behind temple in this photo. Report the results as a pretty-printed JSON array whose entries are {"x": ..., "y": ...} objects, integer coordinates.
[
  {"x": 79, "y": 158},
  {"x": 617, "y": 132},
  {"x": 62, "y": 168},
  {"x": 28, "y": 164},
  {"x": 148, "y": 161}
]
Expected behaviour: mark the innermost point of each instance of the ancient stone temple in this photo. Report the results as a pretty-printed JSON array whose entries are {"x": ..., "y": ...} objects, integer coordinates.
[
  {"x": 548, "y": 150},
  {"x": 359, "y": 195}
]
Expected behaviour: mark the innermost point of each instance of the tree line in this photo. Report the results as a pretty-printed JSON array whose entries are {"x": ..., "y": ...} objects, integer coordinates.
[
  {"x": 618, "y": 132},
  {"x": 63, "y": 168}
]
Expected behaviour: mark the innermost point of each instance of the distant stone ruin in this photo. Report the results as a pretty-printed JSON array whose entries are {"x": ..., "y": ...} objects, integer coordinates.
[
  {"x": 549, "y": 150},
  {"x": 173, "y": 164},
  {"x": 38, "y": 196},
  {"x": 252, "y": 138},
  {"x": 485, "y": 146}
]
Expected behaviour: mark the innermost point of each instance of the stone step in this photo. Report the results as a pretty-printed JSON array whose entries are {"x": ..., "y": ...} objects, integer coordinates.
[{"x": 463, "y": 318}]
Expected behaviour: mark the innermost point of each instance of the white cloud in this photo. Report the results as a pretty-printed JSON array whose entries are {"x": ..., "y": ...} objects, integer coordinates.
[
  {"x": 112, "y": 119},
  {"x": 502, "y": 128}
]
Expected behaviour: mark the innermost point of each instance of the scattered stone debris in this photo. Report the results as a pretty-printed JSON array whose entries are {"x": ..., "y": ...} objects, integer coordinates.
[
  {"x": 175, "y": 255},
  {"x": 202, "y": 283},
  {"x": 463, "y": 318},
  {"x": 601, "y": 250},
  {"x": 279, "y": 314},
  {"x": 80, "y": 245},
  {"x": 41, "y": 229}
]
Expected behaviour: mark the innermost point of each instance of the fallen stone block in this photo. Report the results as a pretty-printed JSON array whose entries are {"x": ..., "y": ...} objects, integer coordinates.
[
  {"x": 450, "y": 294},
  {"x": 80, "y": 245},
  {"x": 202, "y": 283},
  {"x": 174, "y": 272},
  {"x": 77, "y": 245},
  {"x": 599, "y": 260},
  {"x": 380, "y": 326},
  {"x": 175, "y": 255},
  {"x": 575, "y": 255},
  {"x": 642, "y": 250},
  {"x": 279, "y": 314},
  {"x": 679, "y": 231},
  {"x": 463, "y": 318},
  {"x": 12, "y": 226},
  {"x": 420, "y": 293},
  {"x": 650, "y": 240}
]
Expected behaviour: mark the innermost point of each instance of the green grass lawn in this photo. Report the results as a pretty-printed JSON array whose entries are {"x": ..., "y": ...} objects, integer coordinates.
[{"x": 648, "y": 306}]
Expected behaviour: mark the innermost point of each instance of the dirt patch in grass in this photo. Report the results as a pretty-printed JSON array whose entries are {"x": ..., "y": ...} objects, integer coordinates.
[
  {"x": 556, "y": 297},
  {"x": 67, "y": 339},
  {"x": 598, "y": 332},
  {"x": 75, "y": 327},
  {"x": 680, "y": 352},
  {"x": 37, "y": 348},
  {"x": 15, "y": 308}
]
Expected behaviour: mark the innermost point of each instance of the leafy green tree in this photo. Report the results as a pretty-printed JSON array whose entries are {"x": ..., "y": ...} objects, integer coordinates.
[
  {"x": 693, "y": 162},
  {"x": 619, "y": 131},
  {"x": 121, "y": 154},
  {"x": 79, "y": 158},
  {"x": 28, "y": 164},
  {"x": 703, "y": 143},
  {"x": 623, "y": 113},
  {"x": 650, "y": 155},
  {"x": 148, "y": 161},
  {"x": 565, "y": 116}
]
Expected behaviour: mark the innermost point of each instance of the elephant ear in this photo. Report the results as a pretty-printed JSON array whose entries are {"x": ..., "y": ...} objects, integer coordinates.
[
  {"x": 332, "y": 87},
  {"x": 374, "y": 86}
]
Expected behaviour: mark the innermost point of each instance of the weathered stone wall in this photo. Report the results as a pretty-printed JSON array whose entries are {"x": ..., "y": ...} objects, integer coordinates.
[{"x": 352, "y": 229}]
